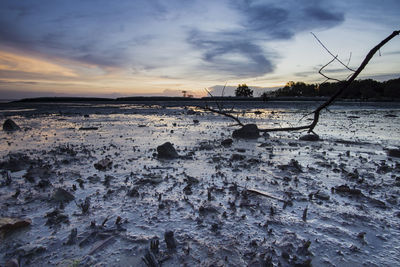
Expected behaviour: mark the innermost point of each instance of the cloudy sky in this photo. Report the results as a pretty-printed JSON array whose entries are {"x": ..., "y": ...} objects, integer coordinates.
[{"x": 155, "y": 47}]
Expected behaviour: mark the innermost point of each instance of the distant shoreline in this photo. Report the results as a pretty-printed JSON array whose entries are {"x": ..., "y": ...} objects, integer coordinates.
[{"x": 185, "y": 99}]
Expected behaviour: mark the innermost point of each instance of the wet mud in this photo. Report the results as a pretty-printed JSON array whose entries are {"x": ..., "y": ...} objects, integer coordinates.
[{"x": 84, "y": 185}]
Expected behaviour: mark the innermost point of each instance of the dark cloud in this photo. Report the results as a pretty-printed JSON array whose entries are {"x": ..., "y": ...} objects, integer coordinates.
[
  {"x": 261, "y": 22},
  {"x": 220, "y": 54}
]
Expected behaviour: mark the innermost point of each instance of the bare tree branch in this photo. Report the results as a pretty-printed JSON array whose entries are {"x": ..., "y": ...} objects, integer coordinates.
[
  {"x": 319, "y": 41},
  {"x": 345, "y": 85}
]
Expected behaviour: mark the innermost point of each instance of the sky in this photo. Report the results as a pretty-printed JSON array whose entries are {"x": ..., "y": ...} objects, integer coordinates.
[{"x": 152, "y": 47}]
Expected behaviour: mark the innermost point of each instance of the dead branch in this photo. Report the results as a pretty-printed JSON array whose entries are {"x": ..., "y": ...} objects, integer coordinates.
[
  {"x": 345, "y": 85},
  {"x": 262, "y": 193},
  {"x": 226, "y": 114}
]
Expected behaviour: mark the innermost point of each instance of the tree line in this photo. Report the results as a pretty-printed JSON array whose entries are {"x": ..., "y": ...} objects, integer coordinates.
[{"x": 359, "y": 89}]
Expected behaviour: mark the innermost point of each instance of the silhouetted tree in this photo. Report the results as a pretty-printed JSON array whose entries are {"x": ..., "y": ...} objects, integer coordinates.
[{"x": 243, "y": 90}]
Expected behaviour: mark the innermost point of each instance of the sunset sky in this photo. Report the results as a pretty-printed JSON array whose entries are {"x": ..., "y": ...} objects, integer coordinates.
[{"x": 152, "y": 47}]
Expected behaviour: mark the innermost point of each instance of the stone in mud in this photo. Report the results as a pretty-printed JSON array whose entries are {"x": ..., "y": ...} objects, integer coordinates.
[
  {"x": 394, "y": 153},
  {"x": 12, "y": 263},
  {"x": 227, "y": 142},
  {"x": 169, "y": 239},
  {"x": 133, "y": 192},
  {"x": 103, "y": 165},
  {"x": 310, "y": 137},
  {"x": 16, "y": 162},
  {"x": 56, "y": 217},
  {"x": 8, "y": 225},
  {"x": 249, "y": 131},
  {"x": 167, "y": 151},
  {"x": 30, "y": 249},
  {"x": 347, "y": 190},
  {"x": 322, "y": 196},
  {"x": 10, "y": 126},
  {"x": 62, "y": 195}
]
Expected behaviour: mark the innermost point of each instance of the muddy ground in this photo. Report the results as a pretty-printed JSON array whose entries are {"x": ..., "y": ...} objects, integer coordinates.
[{"x": 87, "y": 181}]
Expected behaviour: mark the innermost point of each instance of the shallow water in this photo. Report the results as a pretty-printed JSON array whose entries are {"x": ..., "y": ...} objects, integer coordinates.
[{"x": 219, "y": 220}]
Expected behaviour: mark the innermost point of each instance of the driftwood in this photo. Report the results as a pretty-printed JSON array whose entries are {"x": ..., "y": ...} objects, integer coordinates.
[{"x": 317, "y": 111}]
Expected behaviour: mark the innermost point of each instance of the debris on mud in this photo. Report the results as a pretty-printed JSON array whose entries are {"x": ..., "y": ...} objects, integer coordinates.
[{"x": 271, "y": 201}]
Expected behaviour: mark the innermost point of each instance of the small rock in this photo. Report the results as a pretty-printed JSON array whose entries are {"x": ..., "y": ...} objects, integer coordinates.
[
  {"x": 236, "y": 157},
  {"x": 133, "y": 192},
  {"x": 249, "y": 131},
  {"x": 12, "y": 263},
  {"x": 322, "y": 196},
  {"x": 167, "y": 151},
  {"x": 394, "y": 153},
  {"x": 227, "y": 142},
  {"x": 30, "y": 249},
  {"x": 8, "y": 225},
  {"x": 310, "y": 137},
  {"x": 10, "y": 126},
  {"x": 347, "y": 190},
  {"x": 56, "y": 217},
  {"x": 62, "y": 195},
  {"x": 103, "y": 165},
  {"x": 169, "y": 239},
  {"x": 196, "y": 121}
]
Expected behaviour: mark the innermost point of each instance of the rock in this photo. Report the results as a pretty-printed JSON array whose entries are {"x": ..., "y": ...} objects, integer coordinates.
[
  {"x": 133, "y": 192},
  {"x": 227, "y": 142},
  {"x": 10, "y": 126},
  {"x": 236, "y": 157},
  {"x": 310, "y": 137},
  {"x": 8, "y": 224},
  {"x": 62, "y": 195},
  {"x": 394, "y": 153},
  {"x": 169, "y": 239},
  {"x": 347, "y": 190},
  {"x": 249, "y": 131},
  {"x": 16, "y": 162},
  {"x": 103, "y": 165},
  {"x": 56, "y": 217},
  {"x": 30, "y": 249},
  {"x": 322, "y": 196},
  {"x": 167, "y": 151},
  {"x": 12, "y": 263}
]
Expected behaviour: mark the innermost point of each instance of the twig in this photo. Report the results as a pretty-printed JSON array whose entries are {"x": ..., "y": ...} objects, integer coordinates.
[
  {"x": 328, "y": 78},
  {"x": 224, "y": 114},
  {"x": 319, "y": 41},
  {"x": 258, "y": 192}
]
